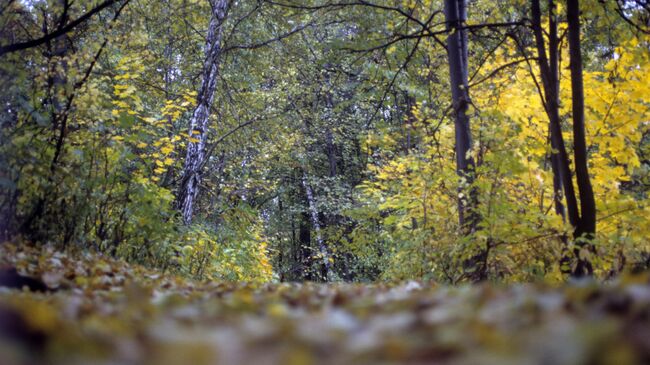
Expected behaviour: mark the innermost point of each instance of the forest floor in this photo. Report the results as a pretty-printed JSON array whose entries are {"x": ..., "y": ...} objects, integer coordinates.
[{"x": 93, "y": 310}]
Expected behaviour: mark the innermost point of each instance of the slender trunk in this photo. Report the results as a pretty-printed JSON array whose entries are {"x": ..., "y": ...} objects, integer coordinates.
[
  {"x": 582, "y": 218},
  {"x": 56, "y": 51},
  {"x": 554, "y": 81},
  {"x": 331, "y": 151},
  {"x": 198, "y": 131},
  {"x": 587, "y": 226},
  {"x": 457, "y": 53},
  {"x": 550, "y": 84},
  {"x": 294, "y": 265},
  {"x": 554, "y": 85},
  {"x": 313, "y": 211},
  {"x": 304, "y": 247}
]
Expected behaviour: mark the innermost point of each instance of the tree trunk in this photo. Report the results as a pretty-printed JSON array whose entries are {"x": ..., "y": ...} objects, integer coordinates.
[
  {"x": 457, "y": 54},
  {"x": 549, "y": 74},
  {"x": 198, "y": 131},
  {"x": 582, "y": 218},
  {"x": 56, "y": 52},
  {"x": 586, "y": 228},
  {"x": 554, "y": 81},
  {"x": 322, "y": 247},
  {"x": 304, "y": 248}
]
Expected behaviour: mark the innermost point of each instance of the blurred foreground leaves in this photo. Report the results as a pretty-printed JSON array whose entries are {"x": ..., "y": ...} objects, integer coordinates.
[{"x": 101, "y": 311}]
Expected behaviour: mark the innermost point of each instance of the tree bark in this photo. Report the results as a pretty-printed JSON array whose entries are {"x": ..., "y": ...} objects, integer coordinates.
[
  {"x": 554, "y": 81},
  {"x": 582, "y": 218},
  {"x": 198, "y": 130},
  {"x": 586, "y": 229},
  {"x": 549, "y": 74},
  {"x": 313, "y": 212},
  {"x": 457, "y": 54}
]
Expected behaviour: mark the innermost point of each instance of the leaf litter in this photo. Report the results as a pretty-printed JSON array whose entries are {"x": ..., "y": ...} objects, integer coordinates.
[{"x": 97, "y": 310}]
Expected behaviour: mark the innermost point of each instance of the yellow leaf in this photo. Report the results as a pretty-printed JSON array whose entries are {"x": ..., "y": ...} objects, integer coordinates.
[{"x": 121, "y": 104}]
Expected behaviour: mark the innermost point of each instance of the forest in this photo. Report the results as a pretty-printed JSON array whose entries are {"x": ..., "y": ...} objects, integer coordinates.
[{"x": 324, "y": 182}]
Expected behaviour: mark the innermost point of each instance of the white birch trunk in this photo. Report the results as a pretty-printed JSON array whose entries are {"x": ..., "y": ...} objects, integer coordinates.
[{"x": 198, "y": 130}]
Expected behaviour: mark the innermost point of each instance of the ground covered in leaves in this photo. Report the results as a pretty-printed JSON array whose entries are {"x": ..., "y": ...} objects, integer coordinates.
[{"x": 92, "y": 310}]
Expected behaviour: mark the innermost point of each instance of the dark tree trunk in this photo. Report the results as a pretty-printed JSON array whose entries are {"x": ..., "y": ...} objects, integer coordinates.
[
  {"x": 199, "y": 123},
  {"x": 582, "y": 218},
  {"x": 56, "y": 51},
  {"x": 554, "y": 83},
  {"x": 586, "y": 229},
  {"x": 304, "y": 247},
  {"x": 457, "y": 54},
  {"x": 325, "y": 272},
  {"x": 550, "y": 85}
]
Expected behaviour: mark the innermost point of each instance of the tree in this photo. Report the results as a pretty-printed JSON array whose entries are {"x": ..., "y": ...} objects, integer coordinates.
[
  {"x": 583, "y": 217},
  {"x": 457, "y": 50},
  {"x": 199, "y": 124},
  {"x": 319, "y": 136},
  {"x": 586, "y": 229},
  {"x": 65, "y": 25}
]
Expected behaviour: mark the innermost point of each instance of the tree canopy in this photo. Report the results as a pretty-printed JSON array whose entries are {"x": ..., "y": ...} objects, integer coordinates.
[{"x": 330, "y": 140}]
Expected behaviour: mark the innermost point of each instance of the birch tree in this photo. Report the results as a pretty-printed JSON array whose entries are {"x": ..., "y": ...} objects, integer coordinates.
[{"x": 199, "y": 124}]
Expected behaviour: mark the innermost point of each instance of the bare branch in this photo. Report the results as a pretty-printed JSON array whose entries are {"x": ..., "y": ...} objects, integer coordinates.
[{"x": 59, "y": 32}]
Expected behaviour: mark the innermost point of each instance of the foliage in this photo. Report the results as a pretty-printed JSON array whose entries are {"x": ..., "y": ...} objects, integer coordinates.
[
  {"x": 415, "y": 190},
  {"x": 237, "y": 252},
  {"x": 108, "y": 186},
  {"x": 330, "y": 144}
]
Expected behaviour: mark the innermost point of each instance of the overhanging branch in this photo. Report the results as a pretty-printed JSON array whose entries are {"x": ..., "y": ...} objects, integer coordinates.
[{"x": 59, "y": 32}]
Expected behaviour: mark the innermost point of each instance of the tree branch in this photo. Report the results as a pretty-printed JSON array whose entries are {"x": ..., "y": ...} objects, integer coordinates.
[{"x": 59, "y": 32}]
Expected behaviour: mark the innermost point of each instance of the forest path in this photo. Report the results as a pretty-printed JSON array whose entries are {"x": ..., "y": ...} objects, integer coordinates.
[{"x": 103, "y": 311}]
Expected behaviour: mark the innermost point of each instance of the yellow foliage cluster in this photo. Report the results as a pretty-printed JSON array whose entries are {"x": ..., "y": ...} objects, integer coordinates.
[
  {"x": 156, "y": 141},
  {"x": 417, "y": 190}
]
